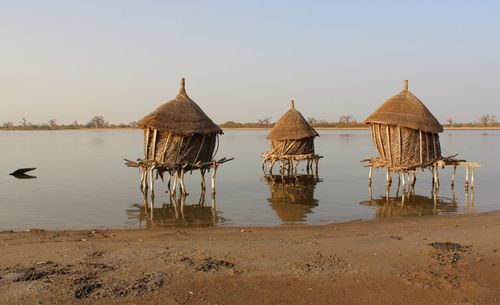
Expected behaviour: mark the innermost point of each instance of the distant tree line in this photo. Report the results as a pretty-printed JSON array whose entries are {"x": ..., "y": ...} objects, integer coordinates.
[
  {"x": 97, "y": 121},
  {"x": 344, "y": 121},
  {"x": 347, "y": 121}
]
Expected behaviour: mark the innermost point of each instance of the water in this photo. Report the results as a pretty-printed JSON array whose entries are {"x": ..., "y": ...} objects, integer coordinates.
[{"x": 82, "y": 182}]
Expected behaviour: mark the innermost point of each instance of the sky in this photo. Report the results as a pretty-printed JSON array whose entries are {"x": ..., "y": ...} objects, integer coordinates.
[{"x": 244, "y": 60}]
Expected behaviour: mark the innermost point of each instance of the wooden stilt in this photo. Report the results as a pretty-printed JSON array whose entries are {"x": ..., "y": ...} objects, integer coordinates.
[
  {"x": 436, "y": 175},
  {"x": 151, "y": 181},
  {"x": 453, "y": 176},
  {"x": 370, "y": 174},
  {"x": 203, "y": 186},
  {"x": 388, "y": 178},
  {"x": 214, "y": 173},
  {"x": 399, "y": 184},
  {"x": 173, "y": 191},
  {"x": 473, "y": 169},
  {"x": 181, "y": 183},
  {"x": 466, "y": 177},
  {"x": 402, "y": 177}
]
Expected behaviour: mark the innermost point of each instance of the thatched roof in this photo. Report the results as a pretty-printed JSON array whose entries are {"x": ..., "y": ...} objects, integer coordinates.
[
  {"x": 180, "y": 116},
  {"x": 405, "y": 110},
  {"x": 292, "y": 126}
]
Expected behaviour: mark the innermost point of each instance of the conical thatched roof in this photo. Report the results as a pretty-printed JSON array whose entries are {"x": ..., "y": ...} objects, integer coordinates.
[
  {"x": 291, "y": 126},
  {"x": 180, "y": 116},
  {"x": 405, "y": 110}
]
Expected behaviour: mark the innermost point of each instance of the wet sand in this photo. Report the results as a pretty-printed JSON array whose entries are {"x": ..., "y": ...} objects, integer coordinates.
[{"x": 425, "y": 260}]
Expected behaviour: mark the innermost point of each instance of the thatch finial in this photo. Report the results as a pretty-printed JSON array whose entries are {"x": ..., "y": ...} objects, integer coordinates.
[
  {"x": 182, "y": 90},
  {"x": 292, "y": 104},
  {"x": 405, "y": 85}
]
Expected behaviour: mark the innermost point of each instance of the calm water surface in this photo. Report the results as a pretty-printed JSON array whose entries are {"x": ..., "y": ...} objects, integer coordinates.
[{"x": 82, "y": 183}]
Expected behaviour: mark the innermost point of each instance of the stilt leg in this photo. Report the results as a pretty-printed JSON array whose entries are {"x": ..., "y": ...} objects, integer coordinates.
[
  {"x": 181, "y": 184},
  {"x": 203, "y": 186},
  {"x": 453, "y": 175},
  {"x": 473, "y": 169},
  {"x": 399, "y": 184},
  {"x": 151, "y": 181},
  {"x": 388, "y": 178},
  {"x": 370, "y": 174},
  {"x": 214, "y": 173},
  {"x": 466, "y": 178},
  {"x": 436, "y": 175}
]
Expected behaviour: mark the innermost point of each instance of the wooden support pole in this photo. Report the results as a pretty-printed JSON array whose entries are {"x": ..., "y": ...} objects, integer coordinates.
[
  {"x": 151, "y": 181},
  {"x": 181, "y": 183},
  {"x": 316, "y": 165},
  {"x": 388, "y": 178},
  {"x": 203, "y": 186},
  {"x": 473, "y": 169},
  {"x": 214, "y": 174},
  {"x": 173, "y": 191},
  {"x": 370, "y": 174},
  {"x": 437, "y": 176},
  {"x": 399, "y": 184},
  {"x": 402, "y": 177},
  {"x": 466, "y": 177},
  {"x": 453, "y": 175}
]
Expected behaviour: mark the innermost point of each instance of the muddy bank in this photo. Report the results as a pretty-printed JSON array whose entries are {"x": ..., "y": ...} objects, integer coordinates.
[{"x": 426, "y": 260}]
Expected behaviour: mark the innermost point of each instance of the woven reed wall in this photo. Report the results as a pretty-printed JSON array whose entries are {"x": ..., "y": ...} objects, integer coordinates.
[
  {"x": 293, "y": 147},
  {"x": 405, "y": 147},
  {"x": 173, "y": 148}
]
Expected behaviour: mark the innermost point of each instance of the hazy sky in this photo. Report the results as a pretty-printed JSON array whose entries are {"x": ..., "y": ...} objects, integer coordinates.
[{"x": 244, "y": 60}]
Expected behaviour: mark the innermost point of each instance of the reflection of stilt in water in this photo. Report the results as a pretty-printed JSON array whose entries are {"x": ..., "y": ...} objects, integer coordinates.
[
  {"x": 469, "y": 200},
  {"x": 176, "y": 212},
  {"x": 292, "y": 197},
  {"x": 409, "y": 204}
]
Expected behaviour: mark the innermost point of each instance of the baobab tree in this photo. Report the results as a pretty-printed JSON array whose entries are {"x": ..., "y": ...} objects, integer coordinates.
[
  {"x": 487, "y": 119},
  {"x": 97, "y": 122}
]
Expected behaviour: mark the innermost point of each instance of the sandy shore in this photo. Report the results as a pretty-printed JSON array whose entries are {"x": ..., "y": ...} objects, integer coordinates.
[{"x": 426, "y": 260}]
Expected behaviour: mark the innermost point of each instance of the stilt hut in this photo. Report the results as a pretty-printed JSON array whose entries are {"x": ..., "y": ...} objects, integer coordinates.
[
  {"x": 292, "y": 141},
  {"x": 178, "y": 137},
  {"x": 406, "y": 137},
  {"x": 404, "y": 132}
]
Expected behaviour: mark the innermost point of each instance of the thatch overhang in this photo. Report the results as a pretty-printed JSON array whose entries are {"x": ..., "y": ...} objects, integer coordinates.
[
  {"x": 292, "y": 126},
  {"x": 180, "y": 116},
  {"x": 405, "y": 110}
]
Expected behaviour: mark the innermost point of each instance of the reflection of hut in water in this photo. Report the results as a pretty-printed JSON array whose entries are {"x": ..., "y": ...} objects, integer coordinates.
[
  {"x": 406, "y": 137},
  {"x": 175, "y": 214},
  {"x": 178, "y": 137},
  {"x": 411, "y": 205},
  {"x": 292, "y": 140},
  {"x": 292, "y": 197}
]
